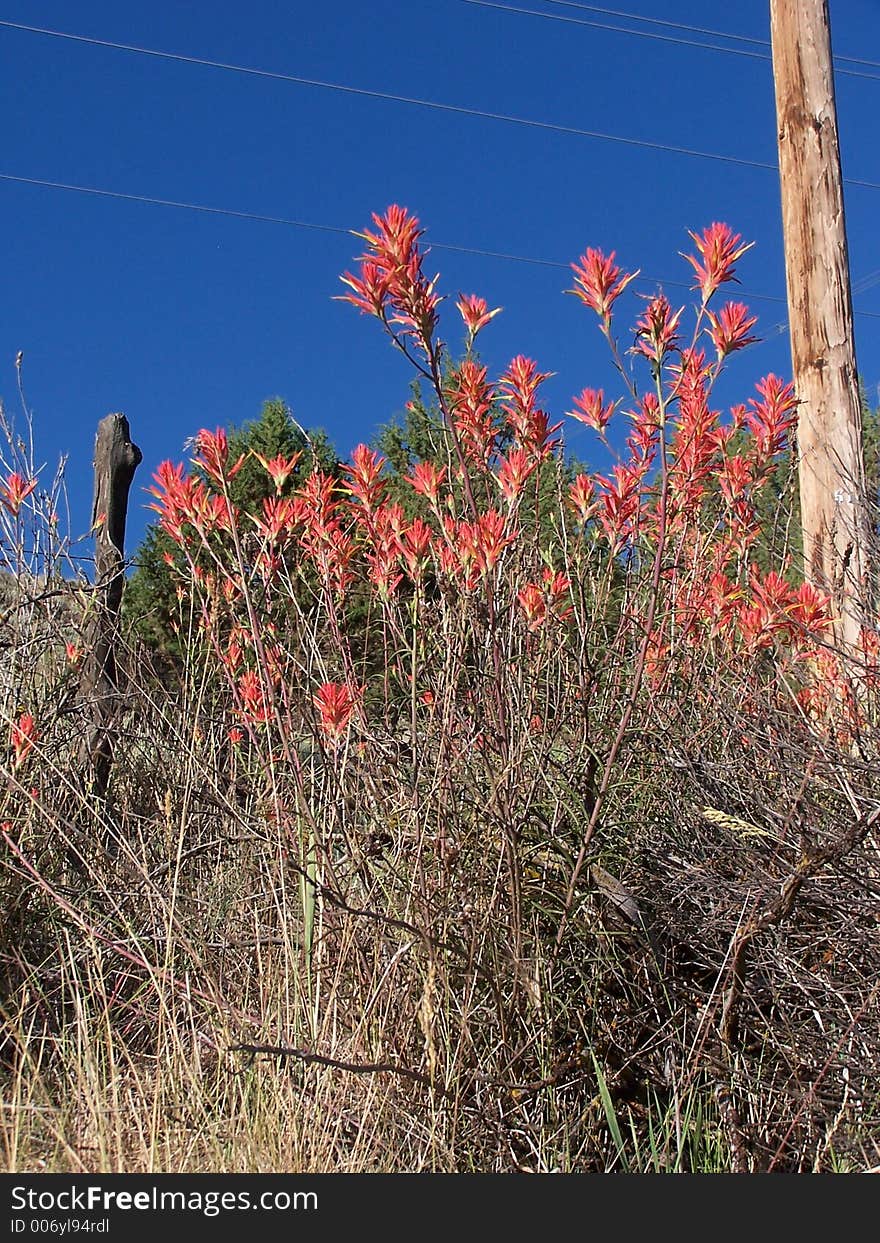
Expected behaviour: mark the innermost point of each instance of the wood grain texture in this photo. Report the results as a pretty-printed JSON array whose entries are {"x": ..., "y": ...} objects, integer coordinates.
[
  {"x": 834, "y": 515},
  {"x": 116, "y": 460}
]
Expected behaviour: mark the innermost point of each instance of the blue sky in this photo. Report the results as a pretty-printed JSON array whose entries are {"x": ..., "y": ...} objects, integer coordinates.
[{"x": 182, "y": 319}]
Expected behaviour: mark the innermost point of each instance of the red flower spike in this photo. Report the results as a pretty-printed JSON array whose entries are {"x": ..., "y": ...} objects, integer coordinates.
[
  {"x": 427, "y": 479},
  {"x": 771, "y": 419},
  {"x": 719, "y": 249},
  {"x": 365, "y": 477},
  {"x": 735, "y": 477},
  {"x": 369, "y": 292},
  {"x": 335, "y": 703},
  {"x": 591, "y": 410},
  {"x": 656, "y": 330},
  {"x": 470, "y": 398},
  {"x": 730, "y": 328},
  {"x": 14, "y": 490},
  {"x": 598, "y": 281},
  {"x": 392, "y": 285},
  {"x": 278, "y": 520},
  {"x": 416, "y": 547},
  {"x": 646, "y": 425},
  {"x": 255, "y": 709},
  {"x": 475, "y": 313},
  {"x": 810, "y": 609},
  {"x": 530, "y": 425},
  {"x": 23, "y": 735},
  {"x": 279, "y": 468},
  {"x": 533, "y": 603},
  {"x": 581, "y": 498},
  {"x": 513, "y": 472},
  {"x": 557, "y": 588},
  {"x": 212, "y": 454}
]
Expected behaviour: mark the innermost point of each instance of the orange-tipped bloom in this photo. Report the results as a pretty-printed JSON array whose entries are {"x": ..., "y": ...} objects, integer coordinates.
[
  {"x": 392, "y": 284},
  {"x": 549, "y": 598},
  {"x": 772, "y": 418},
  {"x": 581, "y": 497},
  {"x": 335, "y": 702},
  {"x": 23, "y": 737},
  {"x": 598, "y": 281},
  {"x": 533, "y": 603},
  {"x": 365, "y": 476},
  {"x": 719, "y": 249},
  {"x": 212, "y": 454},
  {"x": 427, "y": 479},
  {"x": 730, "y": 328},
  {"x": 656, "y": 332},
  {"x": 475, "y": 313},
  {"x": 513, "y": 472},
  {"x": 590, "y": 409},
  {"x": 279, "y": 467},
  {"x": 14, "y": 490}
]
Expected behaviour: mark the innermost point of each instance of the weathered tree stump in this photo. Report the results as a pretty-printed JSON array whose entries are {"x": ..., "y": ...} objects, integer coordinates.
[{"x": 116, "y": 460}]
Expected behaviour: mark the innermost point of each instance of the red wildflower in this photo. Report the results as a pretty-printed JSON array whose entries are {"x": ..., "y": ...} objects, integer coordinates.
[
  {"x": 392, "y": 284},
  {"x": 529, "y": 424},
  {"x": 385, "y": 547},
  {"x": 558, "y": 590},
  {"x": 734, "y": 477},
  {"x": 335, "y": 702},
  {"x": 719, "y": 249},
  {"x": 365, "y": 475},
  {"x": 475, "y": 313},
  {"x": 427, "y": 479},
  {"x": 810, "y": 609},
  {"x": 598, "y": 282},
  {"x": 721, "y": 603},
  {"x": 730, "y": 328},
  {"x": 580, "y": 496},
  {"x": 590, "y": 409},
  {"x": 278, "y": 520},
  {"x": 472, "y": 549},
  {"x": 533, "y": 603},
  {"x": 646, "y": 425},
  {"x": 491, "y": 538},
  {"x": 620, "y": 498},
  {"x": 279, "y": 467},
  {"x": 513, "y": 471},
  {"x": 550, "y": 597},
  {"x": 212, "y": 454},
  {"x": 771, "y": 418},
  {"x": 471, "y": 398},
  {"x": 254, "y": 706},
  {"x": 23, "y": 735},
  {"x": 14, "y": 490},
  {"x": 369, "y": 291},
  {"x": 656, "y": 330},
  {"x": 416, "y": 547}
]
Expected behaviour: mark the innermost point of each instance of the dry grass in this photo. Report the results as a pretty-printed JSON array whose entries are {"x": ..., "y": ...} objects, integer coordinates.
[{"x": 386, "y": 956}]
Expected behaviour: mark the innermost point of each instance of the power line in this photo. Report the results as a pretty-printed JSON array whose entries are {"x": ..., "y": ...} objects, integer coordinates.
[
  {"x": 206, "y": 209},
  {"x": 646, "y": 34},
  {"x": 456, "y": 109},
  {"x": 698, "y": 30}
]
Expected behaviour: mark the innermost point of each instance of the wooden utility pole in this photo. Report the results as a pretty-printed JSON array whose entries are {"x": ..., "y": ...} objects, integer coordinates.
[
  {"x": 116, "y": 460},
  {"x": 835, "y": 524}
]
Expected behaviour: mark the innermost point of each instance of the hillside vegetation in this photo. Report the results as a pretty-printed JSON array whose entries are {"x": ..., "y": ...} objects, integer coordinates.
[{"x": 470, "y": 811}]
